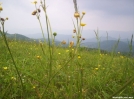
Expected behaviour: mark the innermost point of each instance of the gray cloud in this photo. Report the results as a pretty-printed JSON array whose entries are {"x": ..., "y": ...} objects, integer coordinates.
[{"x": 110, "y": 7}]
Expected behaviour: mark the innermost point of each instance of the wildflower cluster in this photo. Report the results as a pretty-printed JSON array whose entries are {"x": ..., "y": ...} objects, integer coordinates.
[{"x": 78, "y": 30}]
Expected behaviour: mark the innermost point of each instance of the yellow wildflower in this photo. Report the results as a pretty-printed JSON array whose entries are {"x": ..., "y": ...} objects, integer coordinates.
[
  {"x": 1, "y": 8},
  {"x": 96, "y": 68},
  {"x": 5, "y": 68},
  {"x": 79, "y": 56},
  {"x": 76, "y": 14},
  {"x": 67, "y": 50},
  {"x": 82, "y": 24},
  {"x": 34, "y": 87},
  {"x": 13, "y": 78},
  {"x": 59, "y": 53},
  {"x": 83, "y": 13},
  {"x": 38, "y": 57},
  {"x": 34, "y": 2},
  {"x": 59, "y": 66}
]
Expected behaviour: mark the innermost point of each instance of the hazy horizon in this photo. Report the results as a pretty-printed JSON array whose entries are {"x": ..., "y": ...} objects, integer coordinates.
[{"x": 114, "y": 16}]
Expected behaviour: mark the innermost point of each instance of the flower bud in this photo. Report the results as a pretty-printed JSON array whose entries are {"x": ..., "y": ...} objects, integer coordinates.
[
  {"x": 39, "y": 10},
  {"x": 71, "y": 44},
  {"x": 83, "y": 39},
  {"x": 54, "y": 33},
  {"x": 34, "y": 12},
  {"x": 6, "y": 18},
  {"x": 2, "y": 19},
  {"x": 74, "y": 31}
]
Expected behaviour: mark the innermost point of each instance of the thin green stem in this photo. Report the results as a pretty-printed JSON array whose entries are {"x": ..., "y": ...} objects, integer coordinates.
[{"x": 5, "y": 40}]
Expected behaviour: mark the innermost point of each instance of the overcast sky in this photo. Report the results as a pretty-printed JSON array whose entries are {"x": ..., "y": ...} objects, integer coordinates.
[{"x": 107, "y": 15}]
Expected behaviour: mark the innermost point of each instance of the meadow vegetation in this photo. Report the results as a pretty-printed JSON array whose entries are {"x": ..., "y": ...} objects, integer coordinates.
[{"x": 31, "y": 70}]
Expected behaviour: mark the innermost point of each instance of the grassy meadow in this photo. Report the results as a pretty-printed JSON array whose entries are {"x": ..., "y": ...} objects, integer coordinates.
[
  {"x": 43, "y": 70},
  {"x": 90, "y": 75}
]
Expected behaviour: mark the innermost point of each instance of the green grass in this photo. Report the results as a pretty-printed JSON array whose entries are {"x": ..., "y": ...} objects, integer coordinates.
[
  {"x": 31, "y": 70},
  {"x": 92, "y": 76}
]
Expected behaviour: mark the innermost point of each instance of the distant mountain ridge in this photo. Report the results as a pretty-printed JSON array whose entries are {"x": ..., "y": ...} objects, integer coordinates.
[
  {"x": 105, "y": 43},
  {"x": 109, "y": 45}
]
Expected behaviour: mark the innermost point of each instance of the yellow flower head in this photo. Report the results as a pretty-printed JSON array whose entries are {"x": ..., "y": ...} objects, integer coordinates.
[
  {"x": 34, "y": 87},
  {"x": 79, "y": 56},
  {"x": 83, "y": 13},
  {"x": 38, "y": 57},
  {"x": 76, "y": 14},
  {"x": 34, "y": 2},
  {"x": 5, "y": 68},
  {"x": 96, "y": 68},
  {"x": 67, "y": 50},
  {"x": 82, "y": 24},
  {"x": 1, "y": 8},
  {"x": 13, "y": 78},
  {"x": 59, "y": 53}
]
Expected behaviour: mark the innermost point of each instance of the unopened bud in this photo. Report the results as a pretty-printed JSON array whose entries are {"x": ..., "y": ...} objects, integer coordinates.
[
  {"x": 2, "y": 19},
  {"x": 74, "y": 31},
  {"x": 83, "y": 39},
  {"x": 34, "y": 12},
  {"x": 39, "y": 10}
]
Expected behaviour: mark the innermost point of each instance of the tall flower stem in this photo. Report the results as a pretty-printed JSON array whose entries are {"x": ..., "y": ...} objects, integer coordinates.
[
  {"x": 6, "y": 43},
  {"x": 50, "y": 51}
]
